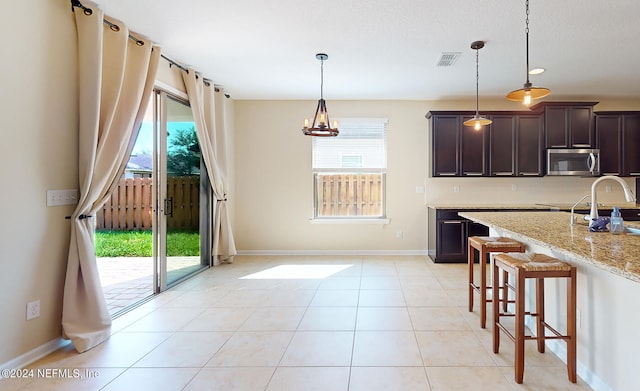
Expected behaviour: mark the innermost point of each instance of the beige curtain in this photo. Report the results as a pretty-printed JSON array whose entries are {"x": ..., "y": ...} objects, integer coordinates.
[
  {"x": 207, "y": 106},
  {"x": 116, "y": 76}
]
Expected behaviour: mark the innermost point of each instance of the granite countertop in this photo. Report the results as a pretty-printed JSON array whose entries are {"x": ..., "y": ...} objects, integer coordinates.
[{"x": 618, "y": 254}]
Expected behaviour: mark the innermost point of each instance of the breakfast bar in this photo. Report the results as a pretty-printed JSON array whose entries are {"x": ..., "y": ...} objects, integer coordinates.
[{"x": 608, "y": 288}]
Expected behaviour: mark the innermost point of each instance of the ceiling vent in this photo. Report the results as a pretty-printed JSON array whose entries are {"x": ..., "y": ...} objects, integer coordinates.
[{"x": 447, "y": 59}]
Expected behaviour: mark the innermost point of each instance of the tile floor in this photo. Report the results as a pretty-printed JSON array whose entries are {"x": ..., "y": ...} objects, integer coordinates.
[{"x": 363, "y": 323}]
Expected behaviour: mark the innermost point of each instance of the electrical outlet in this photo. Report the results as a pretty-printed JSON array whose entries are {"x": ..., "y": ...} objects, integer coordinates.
[
  {"x": 33, "y": 309},
  {"x": 514, "y": 187},
  {"x": 456, "y": 188},
  {"x": 607, "y": 189},
  {"x": 62, "y": 197},
  {"x": 399, "y": 234}
]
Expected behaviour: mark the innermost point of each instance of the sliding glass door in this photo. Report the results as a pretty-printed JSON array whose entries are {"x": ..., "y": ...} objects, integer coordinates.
[
  {"x": 154, "y": 230},
  {"x": 183, "y": 196}
]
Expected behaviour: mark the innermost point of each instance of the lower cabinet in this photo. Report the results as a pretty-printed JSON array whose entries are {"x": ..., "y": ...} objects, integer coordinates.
[{"x": 448, "y": 235}]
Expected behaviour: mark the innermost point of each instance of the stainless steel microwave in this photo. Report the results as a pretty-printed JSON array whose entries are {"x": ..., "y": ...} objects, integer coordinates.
[{"x": 573, "y": 161}]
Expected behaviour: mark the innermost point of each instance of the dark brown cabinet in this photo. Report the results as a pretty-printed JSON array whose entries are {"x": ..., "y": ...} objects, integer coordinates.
[
  {"x": 631, "y": 145},
  {"x": 516, "y": 145},
  {"x": 448, "y": 235},
  {"x": 608, "y": 137},
  {"x": 568, "y": 124},
  {"x": 445, "y": 148},
  {"x": 618, "y": 136},
  {"x": 458, "y": 150}
]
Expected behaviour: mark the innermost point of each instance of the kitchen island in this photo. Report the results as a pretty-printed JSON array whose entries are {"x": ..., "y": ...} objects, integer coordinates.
[
  {"x": 608, "y": 289},
  {"x": 618, "y": 254}
]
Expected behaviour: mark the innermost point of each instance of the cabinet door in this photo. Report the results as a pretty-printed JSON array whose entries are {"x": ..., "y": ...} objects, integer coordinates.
[
  {"x": 502, "y": 145},
  {"x": 631, "y": 145},
  {"x": 529, "y": 150},
  {"x": 608, "y": 131},
  {"x": 473, "y": 150},
  {"x": 569, "y": 126},
  {"x": 452, "y": 240},
  {"x": 581, "y": 133},
  {"x": 445, "y": 151},
  {"x": 556, "y": 126}
]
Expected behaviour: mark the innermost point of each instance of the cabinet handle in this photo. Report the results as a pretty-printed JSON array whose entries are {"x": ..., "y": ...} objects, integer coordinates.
[
  {"x": 473, "y": 173},
  {"x": 634, "y": 173},
  {"x": 454, "y": 222},
  {"x": 581, "y": 145},
  {"x": 610, "y": 173},
  {"x": 529, "y": 174},
  {"x": 446, "y": 173},
  {"x": 558, "y": 146},
  {"x": 503, "y": 173}
]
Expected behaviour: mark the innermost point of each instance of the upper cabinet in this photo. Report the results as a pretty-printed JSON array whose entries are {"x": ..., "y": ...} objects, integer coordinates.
[
  {"x": 511, "y": 146},
  {"x": 457, "y": 150},
  {"x": 567, "y": 124},
  {"x": 516, "y": 145},
  {"x": 618, "y": 136}
]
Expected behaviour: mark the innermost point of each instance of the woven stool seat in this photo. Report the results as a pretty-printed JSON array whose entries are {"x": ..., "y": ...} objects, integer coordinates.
[
  {"x": 494, "y": 242},
  {"x": 533, "y": 262}
]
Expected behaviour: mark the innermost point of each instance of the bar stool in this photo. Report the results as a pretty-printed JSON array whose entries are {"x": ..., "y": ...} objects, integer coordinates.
[
  {"x": 538, "y": 266},
  {"x": 485, "y": 245}
]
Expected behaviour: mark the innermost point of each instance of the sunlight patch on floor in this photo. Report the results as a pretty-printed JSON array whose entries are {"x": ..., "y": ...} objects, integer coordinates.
[{"x": 297, "y": 272}]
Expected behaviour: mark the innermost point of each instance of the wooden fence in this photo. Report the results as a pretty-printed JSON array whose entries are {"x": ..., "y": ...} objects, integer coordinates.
[
  {"x": 130, "y": 206},
  {"x": 349, "y": 195}
]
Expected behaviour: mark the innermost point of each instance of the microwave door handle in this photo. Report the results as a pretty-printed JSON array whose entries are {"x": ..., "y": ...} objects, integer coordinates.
[{"x": 592, "y": 159}]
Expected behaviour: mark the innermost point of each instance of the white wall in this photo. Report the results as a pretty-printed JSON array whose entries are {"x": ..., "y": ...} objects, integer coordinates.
[
  {"x": 274, "y": 182},
  {"x": 38, "y": 151}
]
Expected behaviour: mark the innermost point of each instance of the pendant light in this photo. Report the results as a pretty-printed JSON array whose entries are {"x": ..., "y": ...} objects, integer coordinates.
[
  {"x": 321, "y": 127},
  {"x": 528, "y": 92},
  {"x": 477, "y": 121}
]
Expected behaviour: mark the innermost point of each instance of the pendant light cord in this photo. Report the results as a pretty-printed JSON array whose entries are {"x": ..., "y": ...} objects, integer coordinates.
[
  {"x": 477, "y": 81},
  {"x": 321, "y": 78},
  {"x": 526, "y": 31}
]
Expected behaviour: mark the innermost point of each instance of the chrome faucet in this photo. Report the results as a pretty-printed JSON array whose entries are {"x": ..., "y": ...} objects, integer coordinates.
[
  {"x": 628, "y": 195},
  {"x": 574, "y": 207}
]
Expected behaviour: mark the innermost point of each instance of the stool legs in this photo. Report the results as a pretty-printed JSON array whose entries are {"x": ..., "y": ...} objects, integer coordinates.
[
  {"x": 482, "y": 288},
  {"x": 520, "y": 328},
  {"x": 571, "y": 326},
  {"x": 540, "y": 333},
  {"x": 501, "y": 296},
  {"x": 497, "y": 299},
  {"x": 470, "y": 255}
]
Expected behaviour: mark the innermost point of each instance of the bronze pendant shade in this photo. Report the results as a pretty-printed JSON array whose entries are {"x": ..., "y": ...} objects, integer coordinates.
[
  {"x": 477, "y": 121},
  {"x": 528, "y": 92}
]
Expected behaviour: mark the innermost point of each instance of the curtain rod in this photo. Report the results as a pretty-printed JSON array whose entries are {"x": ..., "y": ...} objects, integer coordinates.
[
  {"x": 88, "y": 11},
  {"x": 205, "y": 80}
]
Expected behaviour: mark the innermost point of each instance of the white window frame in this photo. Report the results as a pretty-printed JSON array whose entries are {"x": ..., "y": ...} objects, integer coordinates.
[{"x": 382, "y": 169}]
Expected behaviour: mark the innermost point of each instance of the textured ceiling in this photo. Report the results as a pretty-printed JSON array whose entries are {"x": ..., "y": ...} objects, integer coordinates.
[{"x": 388, "y": 49}]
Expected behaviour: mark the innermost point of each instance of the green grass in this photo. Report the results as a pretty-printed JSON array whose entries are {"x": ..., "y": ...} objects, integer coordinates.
[{"x": 139, "y": 244}]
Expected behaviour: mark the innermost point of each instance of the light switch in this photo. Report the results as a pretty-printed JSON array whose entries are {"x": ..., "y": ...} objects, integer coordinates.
[{"x": 62, "y": 197}]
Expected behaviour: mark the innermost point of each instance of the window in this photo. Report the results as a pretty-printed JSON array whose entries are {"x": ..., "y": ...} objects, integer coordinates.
[{"x": 349, "y": 171}]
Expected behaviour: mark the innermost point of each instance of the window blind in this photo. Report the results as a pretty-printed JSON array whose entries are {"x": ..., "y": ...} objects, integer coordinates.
[{"x": 361, "y": 146}]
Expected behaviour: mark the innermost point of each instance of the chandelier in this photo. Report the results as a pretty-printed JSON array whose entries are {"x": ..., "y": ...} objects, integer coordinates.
[{"x": 321, "y": 126}]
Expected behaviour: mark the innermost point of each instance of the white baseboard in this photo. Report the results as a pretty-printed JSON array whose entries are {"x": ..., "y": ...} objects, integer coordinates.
[
  {"x": 559, "y": 348},
  {"x": 35, "y": 354},
  {"x": 332, "y": 252}
]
